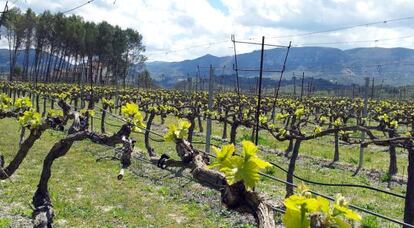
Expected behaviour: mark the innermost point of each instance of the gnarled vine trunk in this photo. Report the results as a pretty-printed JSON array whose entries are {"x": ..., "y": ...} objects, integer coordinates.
[
  {"x": 392, "y": 167},
  {"x": 233, "y": 132},
  {"x": 409, "y": 196},
  {"x": 191, "y": 129},
  {"x": 104, "y": 108},
  {"x": 21, "y": 154},
  {"x": 291, "y": 169},
  {"x": 150, "y": 150},
  {"x": 235, "y": 196},
  {"x": 336, "y": 152}
]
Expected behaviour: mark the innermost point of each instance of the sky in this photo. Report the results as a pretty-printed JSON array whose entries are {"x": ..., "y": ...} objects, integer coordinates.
[{"x": 175, "y": 30}]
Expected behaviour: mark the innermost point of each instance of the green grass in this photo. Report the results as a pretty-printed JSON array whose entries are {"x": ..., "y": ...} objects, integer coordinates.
[
  {"x": 86, "y": 193},
  {"x": 323, "y": 148},
  {"x": 375, "y": 157}
]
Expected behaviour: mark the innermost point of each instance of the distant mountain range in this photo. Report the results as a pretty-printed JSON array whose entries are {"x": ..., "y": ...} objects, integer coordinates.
[
  {"x": 393, "y": 66},
  {"x": 5, "y": 58}
]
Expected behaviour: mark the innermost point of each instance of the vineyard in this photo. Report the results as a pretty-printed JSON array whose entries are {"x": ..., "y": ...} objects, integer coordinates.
[{"x": 61, "y": 142}]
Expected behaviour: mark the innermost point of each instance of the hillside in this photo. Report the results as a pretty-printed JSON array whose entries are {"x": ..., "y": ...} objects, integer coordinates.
[{"x": 342, "y": 66}]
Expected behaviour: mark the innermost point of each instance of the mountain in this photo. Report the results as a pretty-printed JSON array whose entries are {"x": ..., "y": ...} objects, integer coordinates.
[
  {"x": 5, "y": 59},
  {"x": 392, "y": 66}
]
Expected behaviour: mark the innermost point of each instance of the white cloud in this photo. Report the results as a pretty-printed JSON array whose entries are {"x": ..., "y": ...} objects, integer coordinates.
[{"x": 174, "y": 29}]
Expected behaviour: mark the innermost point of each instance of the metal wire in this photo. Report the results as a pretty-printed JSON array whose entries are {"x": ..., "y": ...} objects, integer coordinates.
[
  {"x": 332, "y": 199},
  {"x": 77, "y": 7},
  {"x": 350, "y": 205},
  {"x": 319, "y": 183},
  {"x": 340, "y": 185},
  {"x": 313, "y": 192}
]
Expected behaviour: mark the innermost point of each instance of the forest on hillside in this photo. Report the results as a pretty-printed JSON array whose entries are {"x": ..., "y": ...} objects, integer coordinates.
[{"x": 69, "y": 49}]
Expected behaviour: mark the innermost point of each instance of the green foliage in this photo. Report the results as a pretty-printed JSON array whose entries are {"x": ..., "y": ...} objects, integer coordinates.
[
  {"x": 318, "y": 129},
  {"x": 110, "y": 103},
  {"x": 301, "y": 206},
  {"x": 407, "y": 134},
  {"x": 179, "y": 131},
  {"x": 248, "y": 136},
  {"x": 23, "y": 103},
  {"x": 299, "y": 112},
  {"x": 280, "y": 116},
  {"x": 385, "y": 177},
  {"x": 130, "y": 110},
  {"x": 134, "y": 116},
  {"x": 88, "y": 112},
  {"x": 394, "y": 124},
  {"x": 323, "y": 119},
  {"x": 282, "y": 132},
  {"x": 244, "y": 168},
  {"x": 370, "y": 221},
  {"x": 5, "y": 101},
  {"x": 63, "y": 96},
  {"x": 384, "y": 118},
  {"x": 5, "y": 222},
  {"x": 30, "y": 119},
  {"x": 271, "y": 170},
  {"x": 338, "y": 122},
  {"x": 223, "y": 156},
  {"x": 17, "y": 70},
  {"x": 263, "y": 119},
  {"x": 55, "y": 113}
]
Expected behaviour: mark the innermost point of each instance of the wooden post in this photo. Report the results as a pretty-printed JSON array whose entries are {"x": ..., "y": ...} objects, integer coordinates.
[
  {"x": 303, "y": 81},
  {"x": 260, "y": 92}
]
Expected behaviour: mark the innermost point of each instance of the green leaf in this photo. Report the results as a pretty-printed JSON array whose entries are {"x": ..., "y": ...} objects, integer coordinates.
[
  {"x": 30, "y": 119},
  {"x": 129, "y": 110},
  {"x": 55, "y": 113},
  {"x": 23, "y": 103},
  {"x": 348, "y": 213},
  {"x": 318, "y": 129},
  {"x": 341, "y": 223},
  {"x": 293, "y": 219},
  {"x": 249, "y": 149},
  {"x": 179, "y": 131},
  {"x": 222, "y": 156}
]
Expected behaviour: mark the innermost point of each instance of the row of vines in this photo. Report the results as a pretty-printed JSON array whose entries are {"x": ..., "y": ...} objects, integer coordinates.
[{"x": 386, "y": 123}]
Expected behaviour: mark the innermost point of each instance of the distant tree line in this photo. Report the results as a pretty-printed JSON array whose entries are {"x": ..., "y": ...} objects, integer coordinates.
[{"x": 70, "y": 49}]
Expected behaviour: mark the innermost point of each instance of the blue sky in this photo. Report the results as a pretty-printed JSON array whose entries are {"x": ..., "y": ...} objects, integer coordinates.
[
  {"x": 217, "y": 4},
  {"x": 175, "y": 30}
]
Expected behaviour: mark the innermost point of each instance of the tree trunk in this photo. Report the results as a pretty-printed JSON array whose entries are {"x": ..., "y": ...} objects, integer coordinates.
[
  {"x": 37, "y": 103},
  {"x": 233, "y": 132},
  {"x": 289, "y": 148},
  {"x": 44, "y": 106},
  {"x": 146, "y": 135},
  {"x": 224, "y": 136},
  {"x": 392, "y": 168},
  {"x": 336, "y": 153},
  {"x": 49, "y": 63},
  {"x": 253, "y": 135},
  {"x": 234, "y": 196},
  {"x": 409, "y": 196},
  {"x": 191, "y": 129},
  {"x": 56, "y": 63},
  {"x": 43, "y": 213},
  {"x": 103, "y": 118},
  {"x": 200, "y": 124},
  {"x": 26, "y": 58},
  {"x": 21, "y": 153},
  {"x": 291, "y": 169}
]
